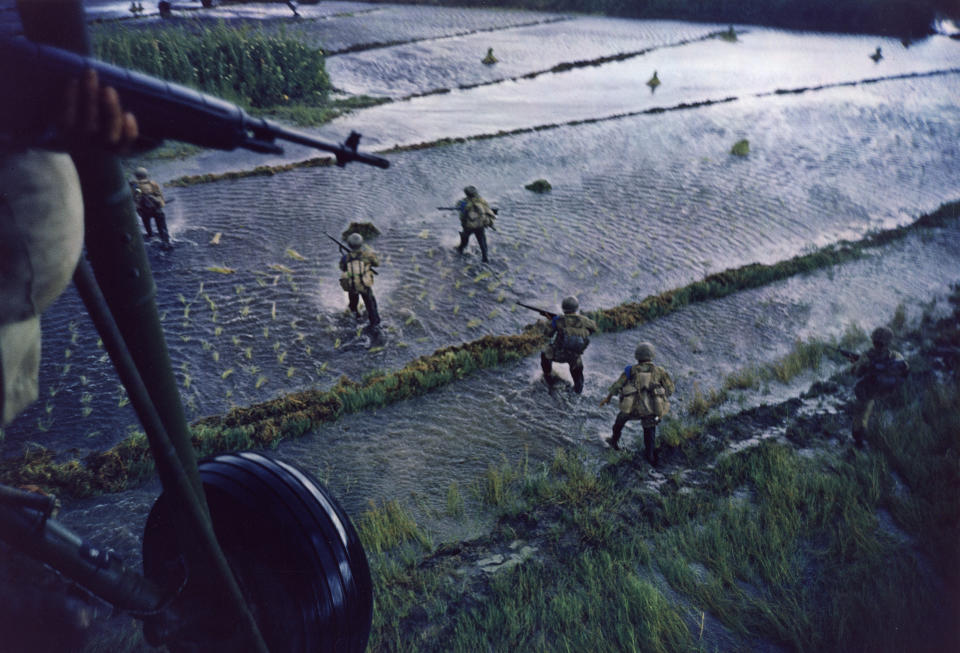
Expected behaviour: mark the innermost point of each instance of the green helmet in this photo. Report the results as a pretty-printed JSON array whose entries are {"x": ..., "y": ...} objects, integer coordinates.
[
  {"x": 140, "y": 173},
  {"x": 881, "y": 337},
  {"x": 569, "y": 304},
  {"x": 644, "y": 352},
  {"x": 470, "y": 191},
  {"x": 354, "y": 241}
]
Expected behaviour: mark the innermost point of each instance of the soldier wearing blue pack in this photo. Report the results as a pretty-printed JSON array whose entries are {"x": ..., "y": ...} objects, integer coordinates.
[
  {"x": 571, "y": 335},
  {"x": 879, "y": 371},
  {"x": 643, "y": 389}
]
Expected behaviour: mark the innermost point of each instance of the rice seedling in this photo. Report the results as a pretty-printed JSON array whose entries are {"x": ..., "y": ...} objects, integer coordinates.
[
  {"x": 260, "y": 381},
  {"x": 294, "y": 254},
  {"x": 226, "y": 373},
  {"x": 248, "y": 353},
  {"x": 290, "y": 372},
  {"x": 266, "y": 333},
  {"x": 218, "y": 331},
  {"x": 220, "y": 269},
  {"x": 474, "y": 323}
]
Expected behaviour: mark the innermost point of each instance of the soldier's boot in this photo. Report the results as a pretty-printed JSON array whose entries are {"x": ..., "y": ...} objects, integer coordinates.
[
  {"x": 577, "y": 375},
  {"x": 353, "y": 300},
  {"x": 463, "y": 242},
  {"x": 371, "y": 303},
  {"x": 482, "y": 239},
  {"x": 614, "y": 440},
  {"x": 547, "y": 368},
  {"x": 649, "y": 439},
  {"x": 162, "y": 229}
]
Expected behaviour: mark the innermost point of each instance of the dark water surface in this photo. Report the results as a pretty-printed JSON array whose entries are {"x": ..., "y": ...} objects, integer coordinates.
[{"x": 640, "y": 204}]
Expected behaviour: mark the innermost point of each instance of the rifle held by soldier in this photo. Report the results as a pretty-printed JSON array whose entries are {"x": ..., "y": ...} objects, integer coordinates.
[
  {"x": 164, "y": 110},
  {"x": 544, "y": 313},
  {"x": 496, "y": 211},
  {"x": 851, "y": 356}
]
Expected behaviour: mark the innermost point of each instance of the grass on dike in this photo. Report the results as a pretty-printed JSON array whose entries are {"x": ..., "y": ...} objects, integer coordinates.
[{"x": 777, "y": 546}]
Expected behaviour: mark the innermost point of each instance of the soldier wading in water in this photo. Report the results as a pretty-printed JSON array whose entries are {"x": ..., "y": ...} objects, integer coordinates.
[
  {"x": 643, "y": 389},
  {"x": 149, "y": 200},
  {"x": 357, "y": 277},
  {"x": 880, "y": 371},
  {"x": 475, "y": 216},
  {"x": 571, "y": 335}
]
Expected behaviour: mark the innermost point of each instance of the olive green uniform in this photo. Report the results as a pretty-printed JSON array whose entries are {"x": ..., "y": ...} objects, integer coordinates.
[
  {"x": 571, "y": 335},
  {"x": 150, "y": 203},
  {"x": 475, "y": 216},
  {"x": 879, "y": 371},
  {"x": 643, "y": 390},
  {"x": 357, "y": 279}
]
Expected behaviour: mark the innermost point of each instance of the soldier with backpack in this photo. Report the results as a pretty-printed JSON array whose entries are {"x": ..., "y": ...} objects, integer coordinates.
[
  {"x": 880, "y": 371},
  {"x": 571, "y": 335},
  {"x": 643, "y": 389},
  {"x": 149, "y": 200},
  {"x": 475, "y": 216},
  {"x": 357, "y": 277}
]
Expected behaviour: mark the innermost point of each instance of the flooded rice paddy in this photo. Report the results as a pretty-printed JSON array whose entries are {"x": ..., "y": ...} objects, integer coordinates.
[{"x": 640, "y": 204}]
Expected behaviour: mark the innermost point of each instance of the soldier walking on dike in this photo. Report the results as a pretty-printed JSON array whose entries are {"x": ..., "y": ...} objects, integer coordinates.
[
  {"x": 357, "y": 277},
  {"x": 643, "y": 389},
  {"x": 475, "y": 216},
  {"x": 880, "y": 370},
  {"x": 150, "y": 203},
  {"x": 571, "y": 335}
]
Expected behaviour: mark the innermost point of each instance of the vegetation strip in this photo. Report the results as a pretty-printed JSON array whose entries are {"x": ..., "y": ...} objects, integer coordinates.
[
  {"x": 259, "y": 171},
  {"x": 902, "y": 18},
  {"x": 293, "y": 415},
  {"x": 376, "y": 45}
]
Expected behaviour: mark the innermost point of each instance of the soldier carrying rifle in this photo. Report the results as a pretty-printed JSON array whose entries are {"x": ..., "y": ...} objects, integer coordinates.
[
  {"x": 570, "y": 335},
  {"x": 475, "y": 216}
]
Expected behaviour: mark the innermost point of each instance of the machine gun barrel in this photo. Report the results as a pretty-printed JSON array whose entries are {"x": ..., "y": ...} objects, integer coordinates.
[
  {"x": 164, "y": 110},
  {"x": 544, "y": 313}
]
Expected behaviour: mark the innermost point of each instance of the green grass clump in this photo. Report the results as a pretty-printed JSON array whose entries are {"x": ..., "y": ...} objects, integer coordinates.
[
  {"x": 539, "y": 186},
  {"x": 741, "y": 148},
  {"x": 387, "y": 526}
]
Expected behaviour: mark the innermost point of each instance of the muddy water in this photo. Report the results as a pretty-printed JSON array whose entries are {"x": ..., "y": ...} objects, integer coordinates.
[
  {"x": 640, "y": 204},
  {"x": 414, "y": 450}
]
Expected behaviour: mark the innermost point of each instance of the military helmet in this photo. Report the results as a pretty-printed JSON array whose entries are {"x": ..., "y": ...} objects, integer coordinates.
[
  {"x": 355, "y": 241},
  {"x": 140, "y": 173},
  {"x": 569, "y": 304},
  {"x": 881, "y": 337},
  {"x": 470, "y": 191},
  {"x": 644, "y": 352}
]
